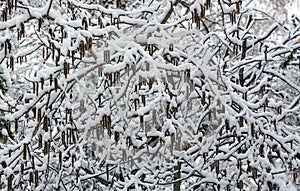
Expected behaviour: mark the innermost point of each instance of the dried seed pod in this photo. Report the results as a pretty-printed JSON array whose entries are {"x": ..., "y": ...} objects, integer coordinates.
[
  {"x": 70, "y": 116},
  {"x": 107, "y": 172},
  {"x": 34, "y": 112},
  {"x": 4, "y": 14},
  {"x": 5, "y": 138},
  {"x": 114, "y": 78},
  {"x": 40, "y": 142},
  {"x": 11, "y": 63},
  {"x": 73, "y": 160},
  {"x": 208, "y": 3},
  {"x": 42, "y": 83},
  {"x": 188, "y": 74},
  {"x": 77, "y": 175},
  {"x": 227, "y": 126},
  {"x": 5, "y": 49},
  {"x": 168, "y": 109},
  {"x": 151, "y": 49},
  {"x": 3, "y": 164},
  {"x": 118, "y": 77},
  {"x": 18, "y": 34},
  {"x": 84, "y": 23},
  {"x": 144, "y": 100},
  {"x": 209, "y": 99},
  {"x": 55, "y": 84},
  {"x": 22, "y": 31},
  {"x": 295, "y": 176},
  {"x": 40, "y": 21},
  {"x": 99, "y": 100},
  {"x": 118, "y": 4},
  {"x": 16, "y": 125},
  {"x": 30, "y": 177},
  {"x": 252, "y": 130},
  {"x": 133, "y": 69},
  {"x": 21, "y": 59},
  {"x": 175, "y": 110},
  {"x": 51, "y": 79},
  {"x": 270, "y": 156},
  {"x": 44, "y": 53},
  {"x": 32, "y": 162},
  {"x": 239, "y": 163},
  {"x": 63, "y": 138},
  {"x": 36, "y": 178},
  {"x": 142, "y": 120},
  {"x": 171, "y": 47},
  {"x": 279, "y": 109},
  {"x": 73, "y": 136},
  {"x": 254, "y": 172},
  {"x": 270, "y": 185},
  {"x": 116, "y": 22},
  {"x": 50, "y": 32},
  {"x": 73, "y": 56},
  {"x": 245, "y": 96},
  {"x": 99, "y": 71},
  {"x": 10, "y": 182},
  {"x": 109, "y": 125},
  {"x": 261, "y": 150},
  {"x": 66, "y": 72},
  {"x": 45, "y": 123},
  {"x": 81, "y": 50},
  {"x": 22, "y": 168},
  {"x": 88, "y": 43},
  {"x": 267, "y": 103},
  {"x": 241, "y": 76},
  {"x": 33, "y": 87},
  {"x": 58, "y": 54},
  {"x": 69, "y": 5},
  {"x": 203, "y": 98},
  {"x": 8, "y": 46},
  {"x": 117, "y": 137},
  {"x": 24, "y": 151},
  {"x": 127, "y": 69},
  {"x": 9, "y": 7},
  {"x": 45, "y": 147},
  {"x": 136, "y": 103},
  {"x": 39, "y": 115},
  {"x": 110, "y": 79},
  {"x": 217, "y": 167},
  {"x": 240, "y": 185},
  {"x": 53, "y": 51},
  {"x": 47, "y": 53},
  {"x": 241, "y": 121},
  {"x": 239, "y": 4},
  {"x": 106, "y": 56},
  {"x": 60, "y": 157},
  {"x": 100, "y": 23},
  {"x": 202, "y": 11},
  {"x": 62, "y": 34},
  {"x": 150, "y": 83}
]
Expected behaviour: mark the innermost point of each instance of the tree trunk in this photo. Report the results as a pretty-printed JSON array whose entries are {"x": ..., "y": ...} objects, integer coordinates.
[{"x": 177, "y": 175}]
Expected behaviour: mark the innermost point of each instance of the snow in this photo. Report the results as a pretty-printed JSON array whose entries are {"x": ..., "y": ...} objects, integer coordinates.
[{"x": 219, "y": 116}]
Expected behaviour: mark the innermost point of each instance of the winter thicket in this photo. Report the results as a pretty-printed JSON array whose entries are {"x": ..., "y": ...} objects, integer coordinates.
[{"x": 148, "y": 95}]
